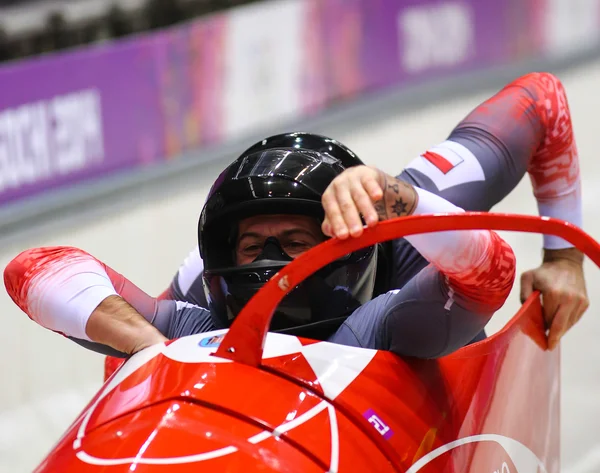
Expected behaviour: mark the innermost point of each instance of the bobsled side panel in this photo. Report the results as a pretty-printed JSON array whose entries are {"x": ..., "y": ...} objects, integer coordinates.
[{"x": 507, "y": 385}]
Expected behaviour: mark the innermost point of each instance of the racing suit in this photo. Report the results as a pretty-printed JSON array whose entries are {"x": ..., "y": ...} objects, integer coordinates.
[{"x": 440, "y": 300}]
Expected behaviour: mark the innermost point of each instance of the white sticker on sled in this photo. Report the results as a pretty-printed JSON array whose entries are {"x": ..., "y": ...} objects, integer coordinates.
[{"x": 523, "y": 458}]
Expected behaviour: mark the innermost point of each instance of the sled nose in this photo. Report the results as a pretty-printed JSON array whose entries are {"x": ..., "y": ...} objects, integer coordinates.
[{"x": 181, "y": 436}]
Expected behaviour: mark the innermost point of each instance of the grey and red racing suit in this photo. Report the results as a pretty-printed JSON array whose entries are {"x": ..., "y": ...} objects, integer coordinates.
[{"x": 440, "y": 299}]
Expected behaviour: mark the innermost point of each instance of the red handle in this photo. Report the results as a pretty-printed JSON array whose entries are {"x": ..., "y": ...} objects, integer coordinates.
[{"x": 245, "y": 340}]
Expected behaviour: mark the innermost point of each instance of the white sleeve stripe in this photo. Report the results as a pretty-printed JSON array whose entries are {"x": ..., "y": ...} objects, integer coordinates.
[
  {"x": 64, "y": 300},
  {"x": 465, "y": 166},
  {"x": 567, "y": 209},
  {"x": 452, "y": 251},
  {"x": 430, "y": 203}
]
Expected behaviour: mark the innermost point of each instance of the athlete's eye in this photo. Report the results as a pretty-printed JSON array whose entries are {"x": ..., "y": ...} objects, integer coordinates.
[{"x": 252, "y": 249}]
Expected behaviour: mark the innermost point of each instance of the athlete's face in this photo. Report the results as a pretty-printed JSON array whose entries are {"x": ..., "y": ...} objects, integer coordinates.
[{"x": 295, "y": 233}]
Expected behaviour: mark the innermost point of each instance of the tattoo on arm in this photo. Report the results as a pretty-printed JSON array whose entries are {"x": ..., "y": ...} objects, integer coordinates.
[
  {"x": 380, "y": 209},
  {"x": 399, "y": 207},
  {"x": 402, "y": 196}
]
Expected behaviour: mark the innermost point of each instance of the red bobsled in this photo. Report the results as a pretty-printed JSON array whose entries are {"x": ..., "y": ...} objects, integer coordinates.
[{"x": 246, "y": 401}]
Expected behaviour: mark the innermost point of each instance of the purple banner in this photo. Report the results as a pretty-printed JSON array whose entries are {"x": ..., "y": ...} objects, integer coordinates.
[
  {"x": 435, "y": 38},
  {"x": 71, "y": 117},
  {"x": 190, "y": 72},
  {"x": 369, "y": 44}
]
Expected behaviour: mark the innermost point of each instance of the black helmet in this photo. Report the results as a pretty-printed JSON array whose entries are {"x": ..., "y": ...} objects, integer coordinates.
[{"x": 284, "y": 174}]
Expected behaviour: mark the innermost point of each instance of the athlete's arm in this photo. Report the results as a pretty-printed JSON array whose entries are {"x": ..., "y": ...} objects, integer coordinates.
[
  {"x": 525, "y": 128},
  {"x": 186, "y": 286},
  {"x": 117, "y": 324},
  {"x": 68, "y": 291},
  {"x": 448, "y": 302},
  {"x": 478, "y": 264},
  {"x": 424, "y": 319}
]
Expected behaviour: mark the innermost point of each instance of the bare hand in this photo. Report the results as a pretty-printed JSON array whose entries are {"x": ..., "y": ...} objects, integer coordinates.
[
  {"x": 366, "y": 191},
  {"x": 561, "y": 282}
]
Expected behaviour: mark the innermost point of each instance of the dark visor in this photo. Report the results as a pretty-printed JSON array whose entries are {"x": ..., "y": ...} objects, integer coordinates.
[{"x": 296, "y": 165}]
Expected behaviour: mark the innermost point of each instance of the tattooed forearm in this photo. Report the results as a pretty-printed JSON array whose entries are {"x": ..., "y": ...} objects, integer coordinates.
[{"x": 399, "y": 198}]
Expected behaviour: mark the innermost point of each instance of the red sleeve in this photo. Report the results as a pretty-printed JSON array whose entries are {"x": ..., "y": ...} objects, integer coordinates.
[
  {"x": 47, "y": 284},
  {"x": 478, "y": 264},
  {"x": 531, "y": 119},
  {"x": 487, "y": 284},
  {"x": 38, "y": 265}
]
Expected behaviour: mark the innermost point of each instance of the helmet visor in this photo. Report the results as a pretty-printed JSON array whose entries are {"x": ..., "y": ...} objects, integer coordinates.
[{"x": 296, "y": 165}]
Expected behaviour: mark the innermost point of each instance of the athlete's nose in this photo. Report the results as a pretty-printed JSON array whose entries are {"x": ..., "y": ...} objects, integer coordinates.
[{"x": 272, "y": 250}]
